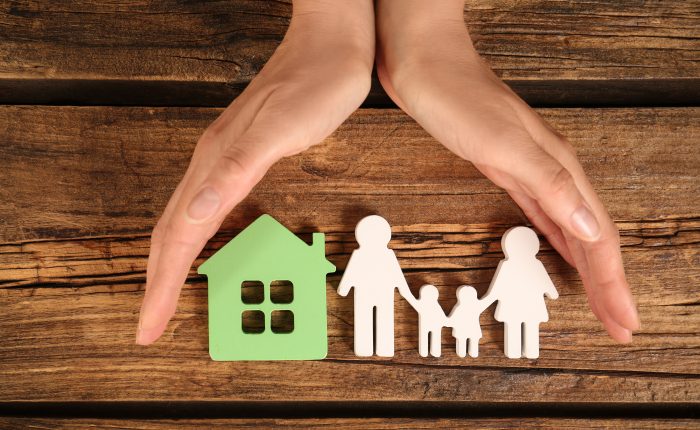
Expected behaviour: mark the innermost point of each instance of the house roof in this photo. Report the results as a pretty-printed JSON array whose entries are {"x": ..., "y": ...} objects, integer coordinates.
[{"x": 266, "y": 233}]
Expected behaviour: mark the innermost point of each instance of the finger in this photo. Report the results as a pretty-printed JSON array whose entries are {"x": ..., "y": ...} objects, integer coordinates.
[
  {"x": 158, "y": 231},
  {"x": 544, "y": 224},
  {"x": 617, "y": 331},
  {"x": 608, "y": 276},
  {"x": 579, "y": 256},
  {"x": 603, "y": 255},
  {"x": 195, "y": 218}
]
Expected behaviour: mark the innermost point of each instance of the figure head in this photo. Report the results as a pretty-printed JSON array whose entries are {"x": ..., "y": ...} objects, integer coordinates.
[
  {"x": 520, "y": 242},
  {"x": 465, "y": 293},
  {"x": 429, "y": 292},
  {"x": 373, "y": 231}
]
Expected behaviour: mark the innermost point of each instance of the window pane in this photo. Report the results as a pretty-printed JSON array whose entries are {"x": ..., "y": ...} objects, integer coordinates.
[
  {"x": 253, "y": 321},
  {"x": 282, "y": 321},
  {"x": 252, "y": 292},
  {"x": 281, "y": 291}
]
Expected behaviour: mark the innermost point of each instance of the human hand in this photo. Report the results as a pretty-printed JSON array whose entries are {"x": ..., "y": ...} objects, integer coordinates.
[
  {"x": 429, "y": 67},
  {"x": 316, "y": 78}
]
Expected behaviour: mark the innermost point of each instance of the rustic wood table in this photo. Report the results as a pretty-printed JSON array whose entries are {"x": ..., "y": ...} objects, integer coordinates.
[{"x": 101, "y": 104}]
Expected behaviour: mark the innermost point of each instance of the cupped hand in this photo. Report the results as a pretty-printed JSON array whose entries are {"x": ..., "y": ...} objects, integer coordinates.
[
  {"x": 429, "y": 67},
  {"x": 318, "y": 76}
]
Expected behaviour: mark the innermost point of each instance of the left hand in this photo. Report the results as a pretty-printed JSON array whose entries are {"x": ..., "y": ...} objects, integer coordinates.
[
  {"x": 317, "y": 77},
  {"x": 429, "y": 67}
]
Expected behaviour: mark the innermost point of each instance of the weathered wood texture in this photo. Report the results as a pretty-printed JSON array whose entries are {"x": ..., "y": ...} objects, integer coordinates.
[
  {"x": 349, "y": 423},
  {"x": 82, "y": 187},
  {"x": 203, "y": 53}
]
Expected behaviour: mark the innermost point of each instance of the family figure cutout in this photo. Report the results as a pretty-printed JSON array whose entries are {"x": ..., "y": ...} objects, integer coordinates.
[{"x": 518, "y": 286}]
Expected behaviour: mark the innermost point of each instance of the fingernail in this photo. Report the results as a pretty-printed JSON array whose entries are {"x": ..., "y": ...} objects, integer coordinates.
[
  {"x": 146, "y": 336},
  {"x": 143, "y": 337},
  {"x": 631, "y": 319},
  {"x": 140, "y": 338},
  {"x": 627, "y": 337},
  {"x": 204, "y": 204},
  {"x": 584, "y": 223}
]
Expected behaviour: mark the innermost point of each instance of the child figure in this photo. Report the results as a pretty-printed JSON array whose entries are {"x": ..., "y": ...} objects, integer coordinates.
[
  {"x": 464, "y": 320},
  {"x": 431, "y": 318}
]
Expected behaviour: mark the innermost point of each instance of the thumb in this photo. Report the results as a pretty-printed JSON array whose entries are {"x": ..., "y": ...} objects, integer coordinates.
[
  {"x": 191, "y": 224},
  {"x": 230, "y": 180},
  {"x": 545, "y": 179}
]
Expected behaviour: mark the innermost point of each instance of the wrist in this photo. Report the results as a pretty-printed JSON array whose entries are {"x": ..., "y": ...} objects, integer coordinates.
[
  {"x": 412, "y": 34},
  {"x": 346, "y": 26}
]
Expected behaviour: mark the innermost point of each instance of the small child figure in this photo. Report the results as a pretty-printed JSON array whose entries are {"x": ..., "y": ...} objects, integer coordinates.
[
  {"x": 431, "y": 318},
  {"x": 464, "y": 320}
]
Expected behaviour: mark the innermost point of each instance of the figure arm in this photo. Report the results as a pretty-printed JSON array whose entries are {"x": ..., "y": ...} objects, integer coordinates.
[
  {"x": 407, "y": 295},
  {"x": 348, "y": 280},
  {"x": 549, "y": 288},
  {"x": 486, "y": 301},
  {"x": 493, "y": 291},
  {"x": 400, "y": 282}
]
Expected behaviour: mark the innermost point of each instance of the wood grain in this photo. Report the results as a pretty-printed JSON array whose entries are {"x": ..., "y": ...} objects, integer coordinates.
[
  {"x": 108, "y": 171},
  {"x": 204, "y": 53},
  {"x": 82, "y": 188},
  {"x": 350, "y": 423}
]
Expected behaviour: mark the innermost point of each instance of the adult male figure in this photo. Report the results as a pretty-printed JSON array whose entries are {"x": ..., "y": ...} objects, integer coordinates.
[{"x": 374, "y": 272}]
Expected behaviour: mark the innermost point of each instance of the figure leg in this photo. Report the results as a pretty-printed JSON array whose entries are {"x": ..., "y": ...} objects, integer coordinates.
[
  {"x": 512, "y": 341},
  {"x": 385, "y": 331},
  {"x": 461, "y": 347},
  {"x": 474, "y": 347},
  {"x": 423, "y": 340},
  {"x": 436, "y": 342},
  {"x": 532, "y": 340},
  {"x": 364, "y": 331}
]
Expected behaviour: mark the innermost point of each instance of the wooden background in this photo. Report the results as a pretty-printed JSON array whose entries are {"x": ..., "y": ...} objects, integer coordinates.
[{"x": 101, "y": 104}]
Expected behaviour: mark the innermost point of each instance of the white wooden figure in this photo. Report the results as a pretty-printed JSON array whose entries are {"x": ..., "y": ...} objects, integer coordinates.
[
  {"x": 519, "y": 285},
  {"x": 431, "y": 318},
  {"x": 464, "y": 320},
  {"x": 374, "y": 272}
]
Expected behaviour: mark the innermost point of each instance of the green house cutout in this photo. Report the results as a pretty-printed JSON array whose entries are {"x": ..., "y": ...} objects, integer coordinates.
[{"x": 267, "y": 295}]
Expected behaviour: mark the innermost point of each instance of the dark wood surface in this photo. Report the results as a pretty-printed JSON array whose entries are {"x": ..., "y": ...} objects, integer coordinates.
[
  {"x": 82, "y": 186},
  {"x": 73, "y": 262},
  {"x": 344, "y": 423},
  {"x": 203, "y": 53}
]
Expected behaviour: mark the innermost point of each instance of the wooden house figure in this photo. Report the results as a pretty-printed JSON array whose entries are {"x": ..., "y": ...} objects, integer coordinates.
[{"x": 267, "y": 295}]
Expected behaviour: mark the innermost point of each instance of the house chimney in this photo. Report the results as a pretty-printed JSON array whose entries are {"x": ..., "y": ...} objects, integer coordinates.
[{"x": 318, "y": 243}]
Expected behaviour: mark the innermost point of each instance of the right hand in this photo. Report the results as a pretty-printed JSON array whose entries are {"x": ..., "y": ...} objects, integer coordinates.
[
  {"x": 317, "y": 77},
  {"x": 429, "y": 67}
]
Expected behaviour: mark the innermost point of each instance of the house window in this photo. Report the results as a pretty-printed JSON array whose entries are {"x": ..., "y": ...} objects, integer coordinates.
[
  {"x": 282, "y": 321},
  {"x": 253, "y": 321},
  {"x": 280, "y": 292},
  {"x": 252, "y": 292}
]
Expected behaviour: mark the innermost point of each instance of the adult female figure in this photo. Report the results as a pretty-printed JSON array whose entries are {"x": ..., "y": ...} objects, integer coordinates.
[{"x": 519, "y": 285}]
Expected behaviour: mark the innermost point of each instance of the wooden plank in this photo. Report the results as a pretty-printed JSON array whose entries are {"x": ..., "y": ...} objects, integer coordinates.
[
  {"x": 204, "y": 53},
  {"x": 111, "y": 171},
  {"x": 76, "y": 343},
  {"x": 351, "y": 423},
  {"x": 73, "y": 259}
]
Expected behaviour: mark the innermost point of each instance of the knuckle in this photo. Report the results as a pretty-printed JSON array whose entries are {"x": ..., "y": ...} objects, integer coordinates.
[
  {"x": 561, "y": 182},
  {"x": 209, "y": 137},
  {"x": 233, "y": 165}
]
